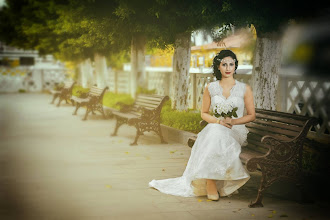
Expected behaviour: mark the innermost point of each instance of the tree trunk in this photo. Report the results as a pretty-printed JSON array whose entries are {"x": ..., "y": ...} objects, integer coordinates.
[
  {"x": 137, "y": 63},
  {"x": 265, "y": 77},
  {"x": 180, "y": 77},
  {"x": 101, "y": 70},
  {"x": 86, "y": 71}
]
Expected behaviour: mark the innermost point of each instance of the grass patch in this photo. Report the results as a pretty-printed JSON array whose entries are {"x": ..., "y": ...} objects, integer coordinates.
[
  {"x": 110, "y": 99},
  {"x": 187, "y": 121},
  {"x": 79, "y": 91}
]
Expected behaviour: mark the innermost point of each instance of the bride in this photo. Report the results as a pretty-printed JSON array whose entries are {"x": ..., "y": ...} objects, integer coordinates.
[{"x": 214, "y": 168}]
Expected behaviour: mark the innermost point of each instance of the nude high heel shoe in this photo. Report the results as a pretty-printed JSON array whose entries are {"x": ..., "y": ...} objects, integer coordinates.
[{"x": 215, "y": 197}]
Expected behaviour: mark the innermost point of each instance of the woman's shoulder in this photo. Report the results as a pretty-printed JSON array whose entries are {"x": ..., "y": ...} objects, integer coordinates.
[
  {"x": 241, "y": 83},
  {"x": 211, "y": 87},
  {"x": 212, "y": 84},
  {"x": 243, "y": 86}
]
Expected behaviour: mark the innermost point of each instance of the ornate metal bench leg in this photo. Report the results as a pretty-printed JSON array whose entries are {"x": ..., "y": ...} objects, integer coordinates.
[
  {"x": 102, "y": 111},
  {"x": 77, "y": 107},
  {"x": 88, "y": 110},
  {"x": 54, "y": 97},
  {"x": 258, "y": 201},
  {"x": 118, "y": 124},
  {"x": 138, "y": 133},
  {"x": 59, "y": 102},
  {"x": 161, "y": 135}
]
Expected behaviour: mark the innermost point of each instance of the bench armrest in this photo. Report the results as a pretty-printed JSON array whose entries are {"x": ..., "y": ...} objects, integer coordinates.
[
  {"x": 281, "y": 150},
  {"x": 203, "y": 123}
]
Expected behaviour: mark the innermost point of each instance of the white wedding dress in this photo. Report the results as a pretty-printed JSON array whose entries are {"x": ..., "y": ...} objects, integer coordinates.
[{"x": 215, "y": 154}]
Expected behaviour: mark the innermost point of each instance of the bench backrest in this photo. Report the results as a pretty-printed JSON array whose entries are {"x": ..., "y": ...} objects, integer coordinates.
[
  {"x": 149, "y": 102},
  {"x": 97, "y": 93},
  {"x": 283, "y": 126}
]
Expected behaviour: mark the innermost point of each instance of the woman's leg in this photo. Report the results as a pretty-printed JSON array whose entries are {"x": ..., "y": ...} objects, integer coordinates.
[{"x": 211, "y": 187}]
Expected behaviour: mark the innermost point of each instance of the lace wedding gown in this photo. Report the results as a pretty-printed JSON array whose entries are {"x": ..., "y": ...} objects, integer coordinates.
[{"x": 215, "y": 154}]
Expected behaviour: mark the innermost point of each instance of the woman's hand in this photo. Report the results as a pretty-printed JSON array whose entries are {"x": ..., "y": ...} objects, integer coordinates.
[
  {"x": 228, "y": 120},
  {"x": 226, "y": 123}
]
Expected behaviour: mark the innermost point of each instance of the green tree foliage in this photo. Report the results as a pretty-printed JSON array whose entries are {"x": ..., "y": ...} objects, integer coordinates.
[
  {"x": 265, "y": 16},
  {"x": 24, "y": 25},
  {"x": 69, "y": 29}
]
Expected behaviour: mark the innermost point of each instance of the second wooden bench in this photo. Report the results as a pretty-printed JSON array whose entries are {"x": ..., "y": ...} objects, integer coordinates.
[
  {"x": 93, "y": 101},
  {"x": 144, "y": 114}
]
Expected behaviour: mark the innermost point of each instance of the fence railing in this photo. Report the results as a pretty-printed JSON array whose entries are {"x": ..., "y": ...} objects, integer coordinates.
[
  {"x": 308, "y": 96},
  {"x": 30, "y": 80}
]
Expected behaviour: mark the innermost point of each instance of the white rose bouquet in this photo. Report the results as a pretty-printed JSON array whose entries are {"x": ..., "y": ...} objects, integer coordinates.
[{"x": 225, "y": 109}]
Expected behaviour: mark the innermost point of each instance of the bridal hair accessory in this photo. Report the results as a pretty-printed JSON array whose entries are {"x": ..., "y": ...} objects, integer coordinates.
[{"x": 223, "y": 60}]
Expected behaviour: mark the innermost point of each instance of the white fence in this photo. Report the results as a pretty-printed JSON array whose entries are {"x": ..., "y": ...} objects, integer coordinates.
[{"x": 30, "y": 79}]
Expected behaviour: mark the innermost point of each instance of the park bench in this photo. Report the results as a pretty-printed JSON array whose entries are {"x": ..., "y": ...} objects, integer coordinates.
[
  {"x": 63, "y": 93},
  {"x": 275, "y": 145},
  {"x": 144, "y": 114},
  {"x": 93, "y": 100}
]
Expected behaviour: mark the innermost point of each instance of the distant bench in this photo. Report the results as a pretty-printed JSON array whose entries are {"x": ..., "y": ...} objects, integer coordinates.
[
  {"x": 144, "y": 114},
  {"x": 63, "y": 93},
  {"x": 93, "y": 100},
  {"x": 275, "y": 144}
]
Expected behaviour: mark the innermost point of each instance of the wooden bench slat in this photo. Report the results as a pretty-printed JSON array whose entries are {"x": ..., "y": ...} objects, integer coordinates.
[
  {"x": 272, "y": 129},
  {"x": 254, "y": 136},
  {"x": 280, "y": 119},
  {"x": 278, "y": 125},
  {"x": 96, "y": 89},
  {"x": 147, "y": 101},
  {"x": 146, "y": 105},
  {"x": 153, "y": 98},
  {"x": 257, "y": 146},
  {"x": 282, "y": 114},
  {"x": 264, "y": 133},
  {"x": 127, "y": 115}
]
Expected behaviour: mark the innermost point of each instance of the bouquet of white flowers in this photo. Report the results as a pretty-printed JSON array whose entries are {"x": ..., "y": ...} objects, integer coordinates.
[{"x": 225, "y": 109}]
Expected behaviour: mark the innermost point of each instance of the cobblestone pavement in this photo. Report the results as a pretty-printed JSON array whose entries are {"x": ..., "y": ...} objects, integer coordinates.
[{"x": 53, "y": 165}]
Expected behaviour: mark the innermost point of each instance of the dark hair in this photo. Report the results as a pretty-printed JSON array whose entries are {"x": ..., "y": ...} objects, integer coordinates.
[{"x": 217, "y": 59}]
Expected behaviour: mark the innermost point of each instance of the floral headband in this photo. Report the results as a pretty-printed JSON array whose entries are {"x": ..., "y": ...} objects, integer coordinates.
[{"x": 223, "y": 60}]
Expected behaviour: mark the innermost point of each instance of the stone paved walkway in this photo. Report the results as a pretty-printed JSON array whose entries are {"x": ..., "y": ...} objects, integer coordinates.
[{"x": 55, "y": 166}]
